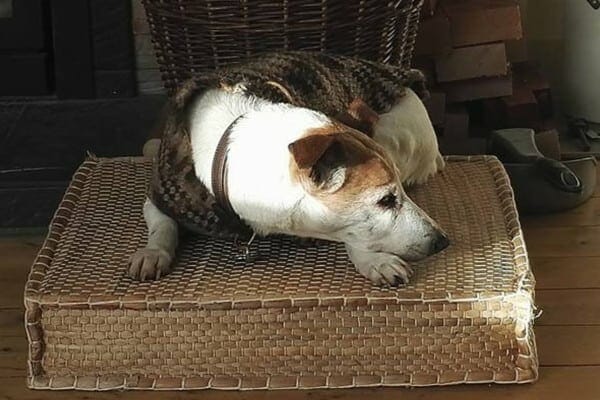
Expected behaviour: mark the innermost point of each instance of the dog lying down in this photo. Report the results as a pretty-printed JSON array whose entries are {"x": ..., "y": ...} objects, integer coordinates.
[{"x": 301, "y": 144}]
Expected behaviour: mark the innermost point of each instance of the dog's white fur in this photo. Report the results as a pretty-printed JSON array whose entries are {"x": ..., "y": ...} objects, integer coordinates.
[
  {"x": 407, "y": 134},
  {"x": 265, "y": 195}
]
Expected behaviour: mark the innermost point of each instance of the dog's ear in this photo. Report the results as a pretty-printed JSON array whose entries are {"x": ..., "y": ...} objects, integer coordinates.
[
  {"x": 359, "y": 116},
  {"x": 323, "y": 159}
]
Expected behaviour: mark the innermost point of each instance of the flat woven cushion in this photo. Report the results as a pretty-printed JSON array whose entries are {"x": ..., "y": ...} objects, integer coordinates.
[{"x": 293, "y": 317}]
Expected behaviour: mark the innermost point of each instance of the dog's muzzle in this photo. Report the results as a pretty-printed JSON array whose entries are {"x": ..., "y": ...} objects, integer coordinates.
[{"x": 439, "y": 244}]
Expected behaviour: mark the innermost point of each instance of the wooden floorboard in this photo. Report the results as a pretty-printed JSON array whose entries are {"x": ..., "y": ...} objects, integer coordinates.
[
  {"x": 588, "y": 214},
  {"x": 11, "y": 297},
  {"x": 16, "y": 256},
  {"x": 597, "y": 192},
  {"x": 568, "y": 307},
  {"x": 11, "y": 321},
  {"x": 13, "y": 356},
  {"x": 566, "y": 272},
  {"x": 565, "y": 256},
  {"x": 569, "y": 241},
  {"x": 568, "y": 345}
]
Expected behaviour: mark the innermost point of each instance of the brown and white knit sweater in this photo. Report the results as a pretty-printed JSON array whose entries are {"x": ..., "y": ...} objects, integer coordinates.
[{"x": 325, "y": 83}]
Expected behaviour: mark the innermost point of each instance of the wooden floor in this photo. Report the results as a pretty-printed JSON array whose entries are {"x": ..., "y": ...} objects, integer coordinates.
[{"x": 565, "y": 254}]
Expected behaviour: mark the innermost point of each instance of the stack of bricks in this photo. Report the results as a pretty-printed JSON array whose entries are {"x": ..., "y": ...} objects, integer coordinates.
[{"x": 462, "y": 48}]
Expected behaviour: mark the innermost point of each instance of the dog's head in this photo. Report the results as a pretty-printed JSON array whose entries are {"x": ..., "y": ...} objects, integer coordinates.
[{"x": 355, "y": 196}]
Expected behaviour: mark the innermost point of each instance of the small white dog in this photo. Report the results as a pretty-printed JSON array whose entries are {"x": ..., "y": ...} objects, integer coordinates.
[{"x": 297, "y": 171}]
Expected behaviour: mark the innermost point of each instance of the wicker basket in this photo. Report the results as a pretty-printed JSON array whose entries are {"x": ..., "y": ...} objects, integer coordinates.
[
  {"x": 295, "y": 317},
  {"x": 191, "y": 36}
]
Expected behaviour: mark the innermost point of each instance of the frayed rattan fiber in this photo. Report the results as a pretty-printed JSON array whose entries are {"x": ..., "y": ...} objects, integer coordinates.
[
  {"x": 293, "y": 318},
  {"x": 193, "y": 36}
]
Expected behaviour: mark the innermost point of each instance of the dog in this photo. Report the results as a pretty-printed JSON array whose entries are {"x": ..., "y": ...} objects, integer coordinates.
[{"x": 301, "y": 144}]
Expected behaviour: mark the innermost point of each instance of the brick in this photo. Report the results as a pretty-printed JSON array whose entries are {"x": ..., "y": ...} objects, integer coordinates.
[
  {"x": 472, "y": 62},
  {"x": 434, "y": 36},
  {"x": 548, "y": 143},
  {"x": 140, "y": 25},
  {"x": 115, "y": 83},
  {"x": 493, "y": 113},
  {"x": 516, "y": 50},
  {"x": 483, "y": 21},
  {"x": 428, "y": 8},
  {"x": 477, "y": 130},
  {"x": 143, "y": 44},
  {"x": 478, "y": 88},
  {"x": 530, "y": 105},
  {"x": 546, "y": 125},
  {"x": 137, "y": 9},
  {"x": 521, "y": 109},
  {"x": 527, "y": 74},
  {"x": 113, "y": 56},
  {"x": 148, "y": 75},
  {"x": 456, "y": 123},
  {"x": 146, "y": 61},
  {"x": 111, "y": 31},
  {"x": 436, "y": 108},
  {"x": 24, "y": 29},
  {"x": 73, "y": 53},
  {"x": 545, "y": 102},
  {"x": 426, "y": 65},
  {"x": 463, "y": 146},
  {"x": 24, "y": 74}
]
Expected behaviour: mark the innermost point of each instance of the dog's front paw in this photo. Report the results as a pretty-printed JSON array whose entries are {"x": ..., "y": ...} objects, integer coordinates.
[
  {"x": 423, "y": 170},
  {"x": 387, "y": 270},
  {"x": 149, "y": 264},
  {"x": 382, "y": 268}
]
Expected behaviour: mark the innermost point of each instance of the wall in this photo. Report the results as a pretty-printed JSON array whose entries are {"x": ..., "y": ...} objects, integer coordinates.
[{"x": 543, "y": 28}]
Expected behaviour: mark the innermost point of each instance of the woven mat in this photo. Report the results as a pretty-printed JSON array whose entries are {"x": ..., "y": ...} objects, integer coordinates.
[{"x": 100, "y": 223}]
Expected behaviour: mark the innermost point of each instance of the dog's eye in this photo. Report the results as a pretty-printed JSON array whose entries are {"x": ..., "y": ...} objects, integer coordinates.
[{"x": 388, "y": 201}]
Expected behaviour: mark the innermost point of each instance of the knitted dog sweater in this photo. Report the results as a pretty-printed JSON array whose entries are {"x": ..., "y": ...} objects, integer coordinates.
[{"x": 325, "y": 83}]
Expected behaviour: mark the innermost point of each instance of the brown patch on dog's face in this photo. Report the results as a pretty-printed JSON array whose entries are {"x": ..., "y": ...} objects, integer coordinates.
[
  {"x": 365, "y": 204},
  {"x": 337, "y": 164}
]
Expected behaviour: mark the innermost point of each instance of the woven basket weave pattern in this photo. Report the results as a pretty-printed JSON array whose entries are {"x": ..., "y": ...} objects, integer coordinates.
[
  {"x": 283, "y": 341},
  {"x": 192, "y": 36},
  {"x": 295, "y": 317}
]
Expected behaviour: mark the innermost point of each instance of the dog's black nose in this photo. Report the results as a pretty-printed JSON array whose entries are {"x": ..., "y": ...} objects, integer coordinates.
[{"x": 440, "y": 243}]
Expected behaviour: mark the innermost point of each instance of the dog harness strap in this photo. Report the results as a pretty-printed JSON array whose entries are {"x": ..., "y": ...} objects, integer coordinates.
[{"x": 219, "y": 171}]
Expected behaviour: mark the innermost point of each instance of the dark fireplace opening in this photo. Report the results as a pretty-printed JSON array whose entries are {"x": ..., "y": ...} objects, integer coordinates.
[{"x": 67, "y": 89}]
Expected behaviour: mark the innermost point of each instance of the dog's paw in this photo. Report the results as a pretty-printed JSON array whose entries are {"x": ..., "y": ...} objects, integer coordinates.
[
  {"x": 384, "y": 269},
  {"x": 149, "y": 264},
  {"x": 424, "y": 170}
]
